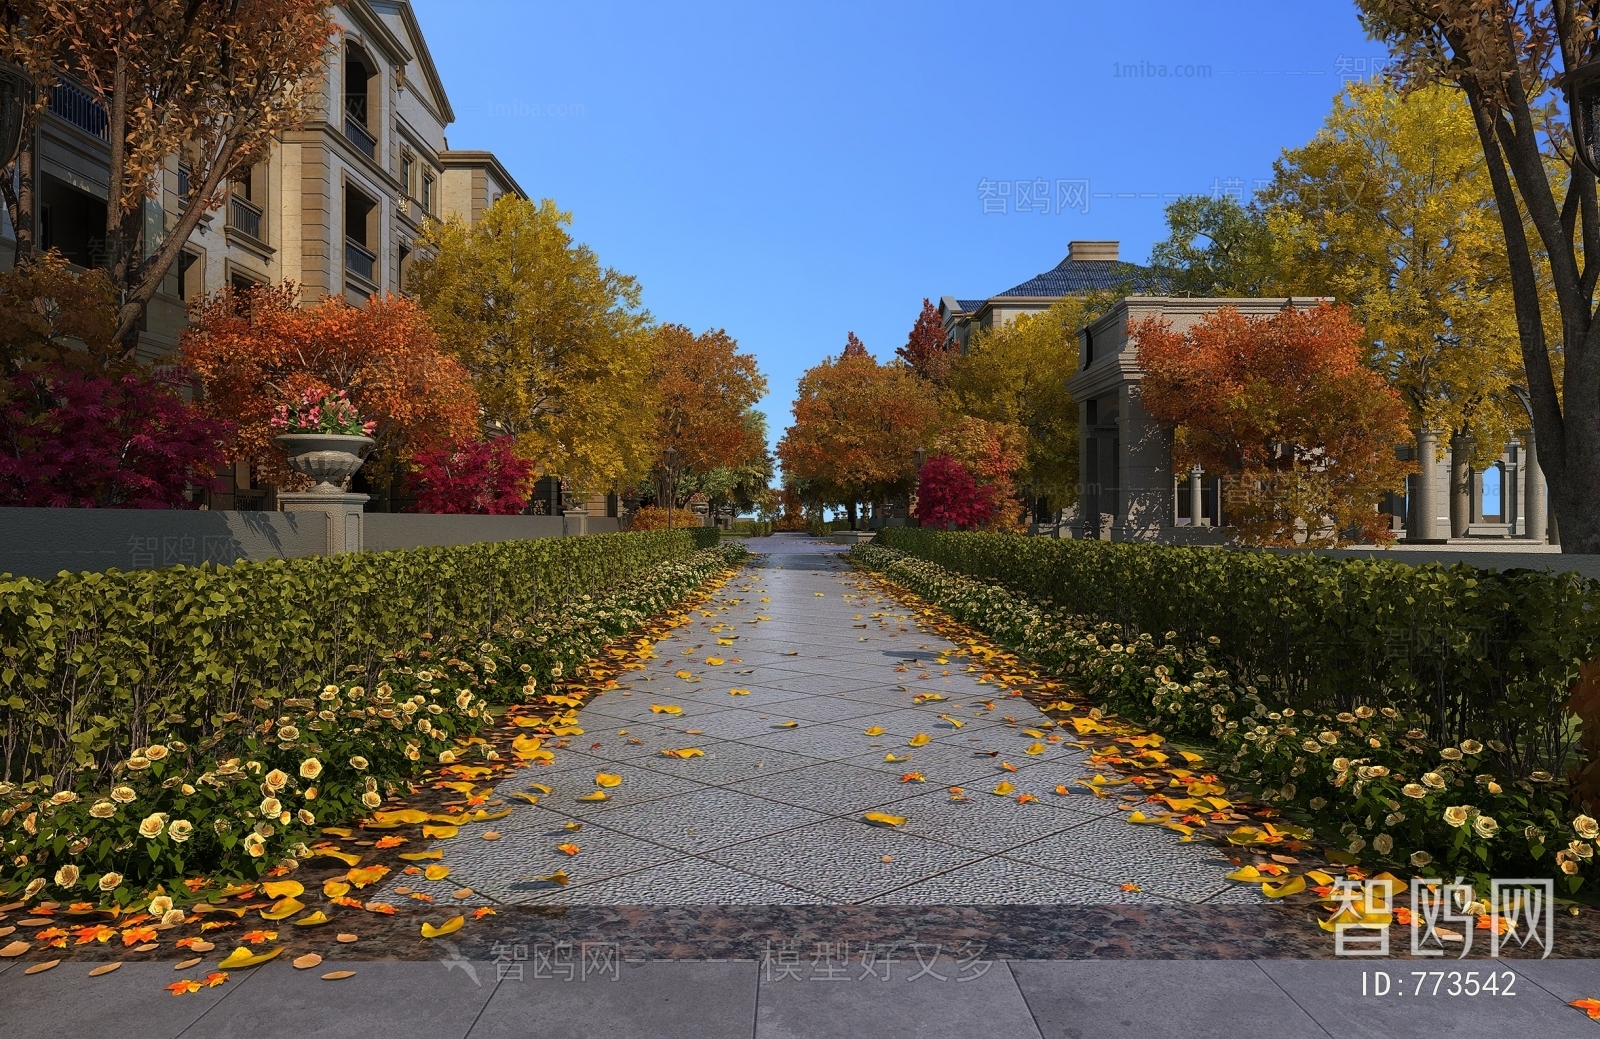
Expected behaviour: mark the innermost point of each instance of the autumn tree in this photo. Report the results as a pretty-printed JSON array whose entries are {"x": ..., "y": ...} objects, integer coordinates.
[
  {"x": 1390, "y": 209},
  {"x": 948, "y": 496},
  {"x": 856, "y": 426},
  {"x": 1510, "y": 61},
  {"x": 704, "y": 389},
  {"x": 992, "y": 454},
  {"x": 1015, "y": 375},
  {"x": 1283, "y": 406},
  {"x": 214, "y": 81},
  {"x": 556, "y": 344},
  {"x": 256, "y": 349},
  {"x": 926, "y": 351}
]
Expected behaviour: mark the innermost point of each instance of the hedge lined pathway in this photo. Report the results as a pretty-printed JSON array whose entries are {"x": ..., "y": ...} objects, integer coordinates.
[{"x": 771, "y": 814}]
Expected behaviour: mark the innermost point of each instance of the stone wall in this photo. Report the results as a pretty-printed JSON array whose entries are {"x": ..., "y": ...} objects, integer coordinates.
[{"x": 43, "y": 542}]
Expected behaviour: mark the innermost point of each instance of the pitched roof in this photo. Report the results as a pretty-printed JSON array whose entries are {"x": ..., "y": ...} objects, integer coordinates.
[
  {"x": 1070, "y": 277},
  {"x": 969, "y": 305}
]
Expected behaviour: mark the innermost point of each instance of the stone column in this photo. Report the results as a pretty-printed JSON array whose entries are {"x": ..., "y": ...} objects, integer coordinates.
[
  {"x": 1535, "y": 515},
  {"x": 344, "y": 512},
  {"x": 1424, "y": 507},
  {"x": 1461, "y": 448},
  {"x": 1196, "y": 499}
]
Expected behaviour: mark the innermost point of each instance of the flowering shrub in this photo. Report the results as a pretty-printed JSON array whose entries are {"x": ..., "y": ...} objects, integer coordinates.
[
  {"x": 947, "y": 495},
  {"x": 252, "y": 790},
  {"x": 72, "y": 439},
  {"x": 1371, "y": 779},
  {"x": 482, "y": 476},
  {"x": 318, "y": 412}
]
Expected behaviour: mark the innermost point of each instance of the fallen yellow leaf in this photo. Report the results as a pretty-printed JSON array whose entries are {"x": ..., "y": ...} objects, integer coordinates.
[
  {"x": 1292, "y": 886},
  {"x": 607, "y": 779},
  {"x": 598, "y": 795},
  {"x": 422, "y": 856},
  {"x": 685, "y": 753},
  {"x": 436, "y": 872},
  {"x": 569, "y": 849},
  {"x": 283, "y": 909},
  {"x": 738, "y": 692},
  {"x": 441, "y": 832},
  {"x": 921, "y": 739},
  {"x": 243, "y": 957},
  {"x": 1004, "y": 789},
  {"x": 668, "y": 708},
  {"x": 874, "y": 731},
  {"x": 283, "y": 888},
  {"x": 885, "y": 819}
]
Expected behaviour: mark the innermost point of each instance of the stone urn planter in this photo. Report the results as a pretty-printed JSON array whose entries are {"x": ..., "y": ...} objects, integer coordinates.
[{"x": 328, "y": 458}]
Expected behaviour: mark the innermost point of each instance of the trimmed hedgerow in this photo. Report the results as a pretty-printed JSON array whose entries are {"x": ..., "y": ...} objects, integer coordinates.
[
  {"x": 237, "y": 791},
  {"x": 1477, "y": 654},
  {"x": 1371, "y": 778}
]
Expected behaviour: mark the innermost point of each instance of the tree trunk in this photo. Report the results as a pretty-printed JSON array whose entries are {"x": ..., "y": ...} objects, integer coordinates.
[
  {"x": 850, "y": 511},
  {"x": 20, "y": 199}
]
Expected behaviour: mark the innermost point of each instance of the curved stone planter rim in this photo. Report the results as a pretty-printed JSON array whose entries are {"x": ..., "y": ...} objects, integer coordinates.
[{"x": 326, "y": 458}]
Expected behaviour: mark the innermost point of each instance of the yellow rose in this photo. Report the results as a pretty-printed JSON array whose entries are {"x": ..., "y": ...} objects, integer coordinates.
[
  {"x": 123, "y": 794},
  {"x": 156, "y": 753},
  {"x": 110, "y": 881},
  {"x": 34, "y": 887},
  {"x": 358, "y": 763},
  {"x": 67, "y": 876},
  {"x": 310, "y": 768},
  {"x": 180, "y": 830},
  {"x": 103, "y": 810},
  {"x": 1416, "y": 790},
  {"x": 1485, "y": 826},
  {"x": 138, "y": 762},
  {"x": 1420, "y": 859},
  {"x": 271, "y": 806},
  {"x": 152, "y": 825},
  {"x": 1586, "y": 827},
  {"x": 277, "y": 780},
  {"x": 1456, "y": 815},
  {"x": 371, "y": 799},
  {"x": 159, "y": 905},
  {"x": 306, "y": 818}
]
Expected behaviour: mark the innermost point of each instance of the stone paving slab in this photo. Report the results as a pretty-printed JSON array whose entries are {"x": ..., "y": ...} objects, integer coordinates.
[
  {"x": 789, "y": 993},
  {"x": 788, "y": 771}
]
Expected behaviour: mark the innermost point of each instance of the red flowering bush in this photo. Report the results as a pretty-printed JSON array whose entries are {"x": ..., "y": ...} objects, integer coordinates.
[
  {"x": 482, "y": 476},
  {"x": 72, "y": 439},
  {"x": 947, "y": 495}
]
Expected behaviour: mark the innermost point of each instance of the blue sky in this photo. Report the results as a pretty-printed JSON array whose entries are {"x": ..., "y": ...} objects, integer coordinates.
[{"x": 795, "y": 171}]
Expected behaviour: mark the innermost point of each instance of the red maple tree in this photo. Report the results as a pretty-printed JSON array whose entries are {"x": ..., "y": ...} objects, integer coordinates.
[
  {"x": 948, "y": 496},
  {"x": 483, "y": 476},
  {"x": 69, "y": 438},
  {"x": 925, "y": 350}
]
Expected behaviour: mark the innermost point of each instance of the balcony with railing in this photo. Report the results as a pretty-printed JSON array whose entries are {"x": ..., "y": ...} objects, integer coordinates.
[
  {"x": 78, "y": 107},
  {"x": 360, "y": 261},
  {"x": 244, "y": 216},
  {"x": 356, "y": 132}
]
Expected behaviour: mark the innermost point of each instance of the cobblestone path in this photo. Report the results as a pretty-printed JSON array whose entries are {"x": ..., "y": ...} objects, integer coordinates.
[{"x": 772, "y": 813}]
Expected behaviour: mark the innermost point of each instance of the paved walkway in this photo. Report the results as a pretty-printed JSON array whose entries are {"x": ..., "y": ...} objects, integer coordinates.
[
  {"x": 1059, "y": 999},
  {"x": 772, "y": 814}
]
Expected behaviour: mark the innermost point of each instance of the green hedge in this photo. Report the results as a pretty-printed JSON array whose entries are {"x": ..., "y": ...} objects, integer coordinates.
[
  {"x": 1370, "y": 780},
  {"x": 94, "y": 663},
  {"x": 1483, "y": 654},
  {"x": 241, "y": 791}
]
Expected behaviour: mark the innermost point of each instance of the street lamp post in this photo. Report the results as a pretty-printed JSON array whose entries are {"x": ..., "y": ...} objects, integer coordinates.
[
  {"x": 16, "y": 94},
  {"x": 671, "y": 458}
]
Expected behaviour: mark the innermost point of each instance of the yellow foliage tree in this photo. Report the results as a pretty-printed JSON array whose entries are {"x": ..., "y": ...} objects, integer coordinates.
[
  {"x": 558, "y": 347},
  {"x": 1390, "y": 209},
  {"x": 1016, "y": 376}
]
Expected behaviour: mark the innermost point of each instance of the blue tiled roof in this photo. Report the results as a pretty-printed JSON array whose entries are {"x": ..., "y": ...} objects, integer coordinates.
[
  {"x": 1074, "y": 276},
  {"x": 969, "y": 305}
]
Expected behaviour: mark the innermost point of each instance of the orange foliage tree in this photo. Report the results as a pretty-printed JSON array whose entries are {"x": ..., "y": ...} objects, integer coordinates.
[
  {"x": 1282, "y": 406},
  {"x": 704, "y": 386},
  {"x": 856, "y": 424},
  {"x": 256, "y": 349}
]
